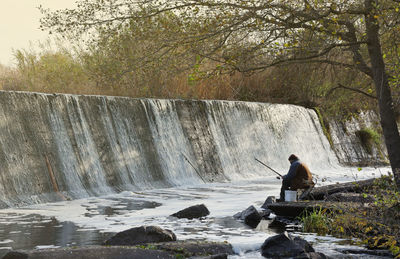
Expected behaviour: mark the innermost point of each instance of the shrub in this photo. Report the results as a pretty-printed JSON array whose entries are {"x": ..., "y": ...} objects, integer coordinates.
[
  {"x": 317, "y": 221},
  {"x": 368, "y": 138}
]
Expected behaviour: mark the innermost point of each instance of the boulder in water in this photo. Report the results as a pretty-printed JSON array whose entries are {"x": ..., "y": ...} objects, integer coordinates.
[
  {"x": 141, "y": 235},
  {"x": 250, "y": 216},
  {"x": 285, "y": 245},
  {"x": 196, "y": 211},
  {"x": 269, "y": 200}
]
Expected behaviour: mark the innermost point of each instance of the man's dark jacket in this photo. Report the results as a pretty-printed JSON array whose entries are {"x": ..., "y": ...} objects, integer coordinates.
[{"x": 299, "y": 176}]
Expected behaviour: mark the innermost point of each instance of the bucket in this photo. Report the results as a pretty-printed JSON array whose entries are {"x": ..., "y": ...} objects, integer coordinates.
[{"x": 290, "y": 195}]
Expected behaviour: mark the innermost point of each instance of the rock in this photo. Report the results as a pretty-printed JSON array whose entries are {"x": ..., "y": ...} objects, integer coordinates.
[
  {"x": 16, "y": 255},
  {"x": 196, "y": 211},
  {"x": 141, "y": 235},
  {"x": 195, "y": 248},
  {"x": 295, "y": 209},
  {"x": 368, "y": 252},
  {"x": 265, "y": 213},
  {"x": 269, "y": 200},
  {"x": 285, "y": 245},
  {"x": 250, "y": 216},
  {"x": 238, "y": 215},
  {"x": 167, "y": 250},
  {"x": 311, "y": 255},
  {"x": 280, "y": 224},
  {"x": 277, "y": 225},
  {"x": 350, "y": 197},
  {"x": 92, "y": 252},
  {"x": 218, "y": 256}
]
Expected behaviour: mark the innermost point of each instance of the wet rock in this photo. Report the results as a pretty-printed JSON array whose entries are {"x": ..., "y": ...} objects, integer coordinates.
[
  {"x": 196, "y": 211},
  {"x": 200, "y": 249},
  {"x": 94, "y": 252},
  {"x": 167, "y": 250},
  {"x": 377, "y": 253},
  {"x": 311, "y": 255},
  {"x": 285, "y": 245},
  {"x": 219, "y": 256},
  {"x": 265, "y": 213},
  {"x": 277, "y": 225},
  {"x": 141, "y": 235},
  {"x": 283, "y": 222},
  {"x": 250, "y": 216},
  {"x": 16, "y": 255},
  {"x": 269, "y": 200}
]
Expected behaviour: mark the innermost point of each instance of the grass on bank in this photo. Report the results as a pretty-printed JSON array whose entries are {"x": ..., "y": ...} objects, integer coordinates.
[{"x": 376, "y": 226}]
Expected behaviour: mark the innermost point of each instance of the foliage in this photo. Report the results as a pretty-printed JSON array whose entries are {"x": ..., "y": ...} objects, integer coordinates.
[
  {"x": 325, "y": 126},
  {"x": 240, "y": 35},
  {"x": 139, "y": 44},
  {"x": 46, "y": 71},
  {"x": 133, "y": 58},
  {"x": 368, "y": 138},
  {"x": 376, "y": 225},
  {"x": 317, "y": 221}
]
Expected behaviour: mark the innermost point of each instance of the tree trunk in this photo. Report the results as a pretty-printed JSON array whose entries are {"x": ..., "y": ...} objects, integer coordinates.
[{"x": 386, "y": 109}]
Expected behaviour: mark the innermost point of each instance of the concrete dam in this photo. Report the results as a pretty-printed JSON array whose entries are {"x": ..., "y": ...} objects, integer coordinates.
[{"x": 55, "y": 147}]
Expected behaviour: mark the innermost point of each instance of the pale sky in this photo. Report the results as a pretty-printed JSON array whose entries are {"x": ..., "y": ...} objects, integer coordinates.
[{"x": 19, "y": 24}]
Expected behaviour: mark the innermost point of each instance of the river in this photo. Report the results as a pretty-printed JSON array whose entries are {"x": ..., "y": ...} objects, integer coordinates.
[{"x": 92, "y": 220}]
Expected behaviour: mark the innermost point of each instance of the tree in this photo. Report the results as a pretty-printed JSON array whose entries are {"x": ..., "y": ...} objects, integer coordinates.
[
  {"x": 133, "y": 57},
  {"x": 256, "y": 34}
]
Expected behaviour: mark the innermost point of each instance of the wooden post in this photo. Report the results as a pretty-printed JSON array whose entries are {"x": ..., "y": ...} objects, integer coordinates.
[{"x": 53, "y": 179}]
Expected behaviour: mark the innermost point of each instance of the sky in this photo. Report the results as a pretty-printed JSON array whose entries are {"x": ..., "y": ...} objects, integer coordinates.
[{"x": 19, "y": 24}]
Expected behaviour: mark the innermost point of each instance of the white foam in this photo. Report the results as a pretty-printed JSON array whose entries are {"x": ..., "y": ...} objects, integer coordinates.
[{"x": 46, "y": 246}]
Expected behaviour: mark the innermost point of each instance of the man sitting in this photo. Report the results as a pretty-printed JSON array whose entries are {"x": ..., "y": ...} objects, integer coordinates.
[{"x": 298, "y": 177}]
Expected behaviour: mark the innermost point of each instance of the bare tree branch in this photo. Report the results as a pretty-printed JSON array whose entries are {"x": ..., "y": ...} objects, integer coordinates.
[{"x": 340, "y": 86}]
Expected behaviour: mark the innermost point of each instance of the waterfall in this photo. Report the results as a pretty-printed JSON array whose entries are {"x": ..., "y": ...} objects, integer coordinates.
[{"x": 56, "y": 146}]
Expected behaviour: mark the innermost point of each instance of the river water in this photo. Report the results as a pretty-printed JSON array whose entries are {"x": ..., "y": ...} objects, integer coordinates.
[{"x": 91, "y": 220}]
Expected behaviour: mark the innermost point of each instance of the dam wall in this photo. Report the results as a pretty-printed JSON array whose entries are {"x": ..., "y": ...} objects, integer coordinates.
[{"x": 55, "y": 146}]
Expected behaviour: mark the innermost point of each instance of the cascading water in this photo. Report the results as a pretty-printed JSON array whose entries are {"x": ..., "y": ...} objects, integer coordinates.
[
  {"x": 110, "y": 163},
  {"x": 98, "y": 145},
  {"x": 243, "y": 131}
]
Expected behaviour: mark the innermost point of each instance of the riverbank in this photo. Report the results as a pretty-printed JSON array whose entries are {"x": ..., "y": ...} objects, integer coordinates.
[{"x": 367, "y": 210}]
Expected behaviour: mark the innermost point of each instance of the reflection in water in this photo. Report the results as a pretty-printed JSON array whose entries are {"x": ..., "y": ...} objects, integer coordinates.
[
  {"x": 19, "y": 231},
  {"x": 120, "y": 208},
  {"x": 33, "y": 231}
]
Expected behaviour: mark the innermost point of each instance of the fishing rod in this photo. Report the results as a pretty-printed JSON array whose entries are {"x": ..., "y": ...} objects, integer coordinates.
[
  {"x": 187, "y": 159},
  {"x": 269, "y": 167}
]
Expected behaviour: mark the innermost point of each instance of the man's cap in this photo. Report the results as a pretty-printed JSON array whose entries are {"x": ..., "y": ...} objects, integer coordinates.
[{"x": 293, "y": 157}]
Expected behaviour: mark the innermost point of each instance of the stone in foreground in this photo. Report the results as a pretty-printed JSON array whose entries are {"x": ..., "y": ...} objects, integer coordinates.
[
  {"x": 92, "y": 252},
  {"x": 167, "y": 250},
  {"x": 141, "y": 235},
  {"x": 285, "y": 245}
]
